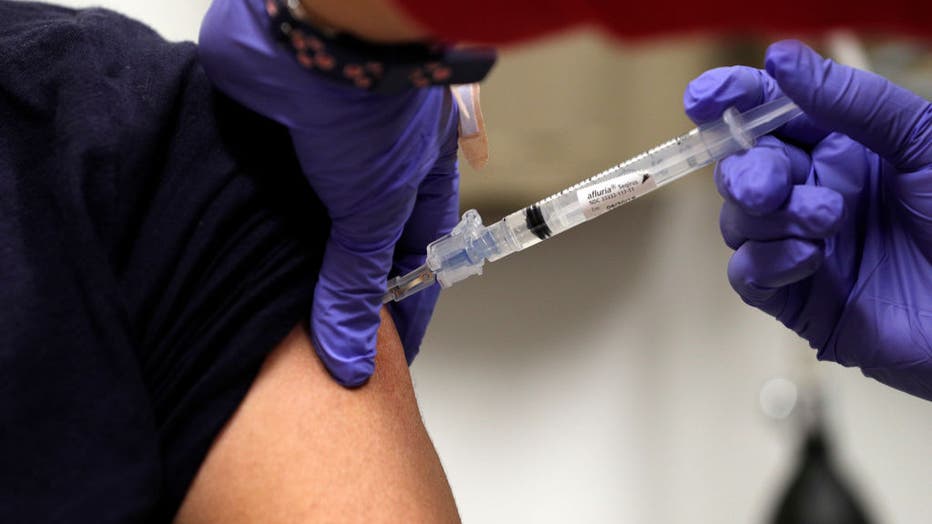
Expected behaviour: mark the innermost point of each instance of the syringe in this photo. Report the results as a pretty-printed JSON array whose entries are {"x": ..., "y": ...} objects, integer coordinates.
[{"x": 464, "y": 250}]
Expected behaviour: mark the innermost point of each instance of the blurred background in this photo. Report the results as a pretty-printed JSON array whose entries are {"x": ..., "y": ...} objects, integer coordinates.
[{"x": 610, "y": 374}]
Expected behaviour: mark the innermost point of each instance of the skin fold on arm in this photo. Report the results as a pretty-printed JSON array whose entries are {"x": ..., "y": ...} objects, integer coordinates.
[{"x": 302, "y": 448}]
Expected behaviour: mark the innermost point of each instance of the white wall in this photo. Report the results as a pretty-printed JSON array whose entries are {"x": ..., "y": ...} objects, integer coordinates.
[{"x": 610, "y": 374}]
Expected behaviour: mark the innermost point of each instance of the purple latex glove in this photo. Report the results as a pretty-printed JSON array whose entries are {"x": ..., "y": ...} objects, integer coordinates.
[
  {"x": 831, "y": 218},
  {"x": 383, "y": 165}
]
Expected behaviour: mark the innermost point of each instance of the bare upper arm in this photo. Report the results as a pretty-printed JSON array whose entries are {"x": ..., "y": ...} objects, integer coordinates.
[{"x": 301, "y": 448}]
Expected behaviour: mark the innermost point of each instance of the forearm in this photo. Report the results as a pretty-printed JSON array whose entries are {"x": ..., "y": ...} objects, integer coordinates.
[{"x": 372, "y": 20}]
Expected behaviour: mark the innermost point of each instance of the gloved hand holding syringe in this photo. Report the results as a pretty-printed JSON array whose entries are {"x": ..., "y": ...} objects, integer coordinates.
[{"x": 463, "y": 252}]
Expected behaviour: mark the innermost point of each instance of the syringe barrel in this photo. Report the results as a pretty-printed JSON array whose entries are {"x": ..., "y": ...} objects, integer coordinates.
[
  {"x": 607, "y": 190},
  {"x": 640, "y": 175}
]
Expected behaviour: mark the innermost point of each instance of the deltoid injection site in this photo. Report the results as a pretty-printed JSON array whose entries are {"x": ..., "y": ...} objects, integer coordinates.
[{"x": 464, "y": 251}]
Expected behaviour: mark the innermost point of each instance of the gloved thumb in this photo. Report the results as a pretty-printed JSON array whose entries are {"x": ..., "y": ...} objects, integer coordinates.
[
  {"x": 888, "y": 119},
  {"x": 345, "y": 313}
]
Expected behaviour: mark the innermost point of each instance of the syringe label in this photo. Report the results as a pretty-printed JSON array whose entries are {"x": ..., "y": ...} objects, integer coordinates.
[{"x": 605, "y": 196}]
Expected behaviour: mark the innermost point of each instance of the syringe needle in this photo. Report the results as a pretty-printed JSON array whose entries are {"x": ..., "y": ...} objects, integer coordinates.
[{"x": 403, "y": 286}]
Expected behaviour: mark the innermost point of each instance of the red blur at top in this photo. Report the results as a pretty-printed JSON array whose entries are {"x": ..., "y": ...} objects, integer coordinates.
[{"x": 510, "y": 21}]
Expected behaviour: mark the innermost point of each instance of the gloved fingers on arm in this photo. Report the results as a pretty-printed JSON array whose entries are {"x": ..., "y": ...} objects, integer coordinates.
[
  {"x": 714, "y": 91},
  {"x": 344, "y": 317},
  {"x": 760, "y": 272},
  {"x": 434, "y": 215},
  {"x": 348, "y": 295},
  {"x": 888, "y": 119}
]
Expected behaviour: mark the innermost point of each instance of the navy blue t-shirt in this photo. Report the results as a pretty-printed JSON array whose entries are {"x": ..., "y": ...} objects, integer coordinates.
[{"x": 156, "y": 242}]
